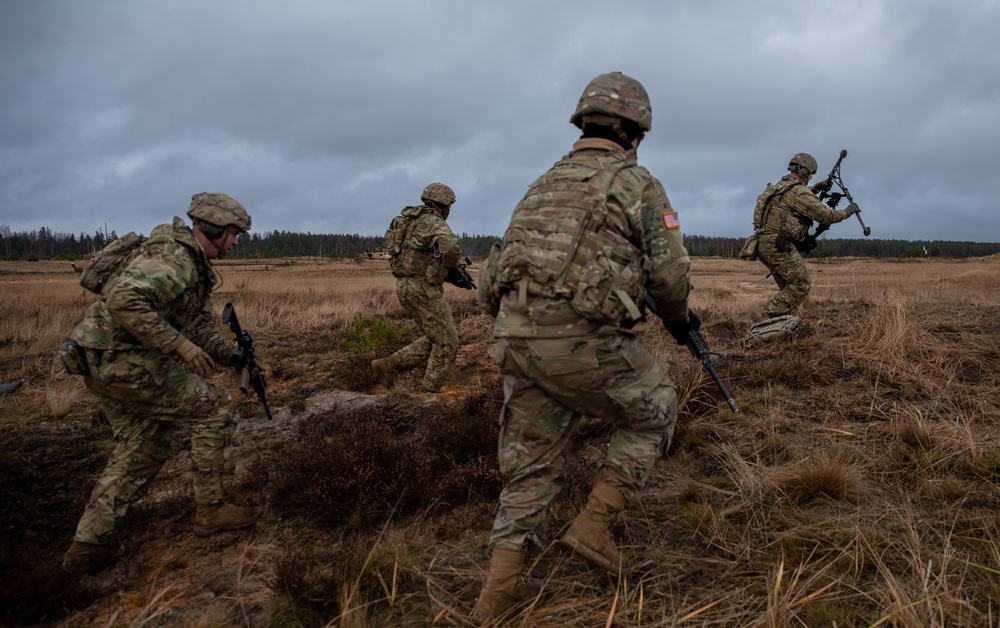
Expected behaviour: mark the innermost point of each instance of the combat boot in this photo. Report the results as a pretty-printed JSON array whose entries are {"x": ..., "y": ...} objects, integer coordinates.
[
  {"x": 88, "y": 558},
  {"x": 590, "y": 533},
  {"x": 503, "y": 589},
  {"x": 212, "y": 518},
  {"x": 385, "y": 370}
]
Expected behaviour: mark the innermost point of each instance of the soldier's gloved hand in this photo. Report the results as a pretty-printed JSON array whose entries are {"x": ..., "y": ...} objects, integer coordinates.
[
  {"x": 852, "y": 209},
  {"x": 680, "y": 329},
  {"x": 196, "y": 360}
]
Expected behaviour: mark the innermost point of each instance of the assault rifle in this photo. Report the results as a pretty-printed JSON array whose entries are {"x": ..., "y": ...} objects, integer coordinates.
[
  {"x": 699, "y": 348},
  {"x": 458, "y": 276},
  {"x": 822, "y": 189},
  {"x": 251, "y": 374}
]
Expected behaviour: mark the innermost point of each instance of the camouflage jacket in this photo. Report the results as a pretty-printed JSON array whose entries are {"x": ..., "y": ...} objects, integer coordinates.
[
  {"x": 638, "y": 236},
  {"x": 410, "y": 241},
  {"x": 790, "y": 207},
  {"x": 163, "y": 296}
]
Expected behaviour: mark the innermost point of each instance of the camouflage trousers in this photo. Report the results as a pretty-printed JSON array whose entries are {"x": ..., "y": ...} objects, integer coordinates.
[
  {"x": 789, "y": 271},
  {"x": 438, "y": 346},
  {"x": 145, "y": 395},
  {"x": 548, "y": 385}
]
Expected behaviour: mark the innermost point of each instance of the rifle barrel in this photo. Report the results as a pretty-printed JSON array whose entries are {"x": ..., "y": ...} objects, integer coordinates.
[{"x": 699, "y": 348}]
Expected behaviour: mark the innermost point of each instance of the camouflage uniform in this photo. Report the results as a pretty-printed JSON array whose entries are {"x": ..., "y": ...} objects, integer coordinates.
[
  {"x": 558, "y": 364},
  {"x": 787, "y": 211},
  {"x": 162, "y": 297},
  {"x": 420, "y": 278}
]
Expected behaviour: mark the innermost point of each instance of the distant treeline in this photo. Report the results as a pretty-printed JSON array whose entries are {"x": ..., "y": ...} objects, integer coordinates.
[
  {"x": 853, "y": 247},
  {"x": 48, "y": 244}
]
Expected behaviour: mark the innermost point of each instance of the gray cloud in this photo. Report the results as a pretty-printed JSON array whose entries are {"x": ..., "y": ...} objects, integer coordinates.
[{"x": 330, "y": 116}]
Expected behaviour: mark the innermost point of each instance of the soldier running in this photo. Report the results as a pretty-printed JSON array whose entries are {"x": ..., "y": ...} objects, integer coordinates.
[
  {"x": 422, "y": 249},
  {"x": 149, "y": 344},
  {"x": 590, "y": 238}
]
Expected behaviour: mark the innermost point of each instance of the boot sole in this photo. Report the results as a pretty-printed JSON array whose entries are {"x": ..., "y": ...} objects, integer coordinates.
[{"x": 596, "y": 558}]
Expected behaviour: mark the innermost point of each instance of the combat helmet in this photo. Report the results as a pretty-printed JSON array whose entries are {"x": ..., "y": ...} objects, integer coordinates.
[
  {"x": 438, "y": 193},
  {"x": 614, "y": 95},
  {"x": 803, "y": 160},
  {"x": 220, "y": 210}
]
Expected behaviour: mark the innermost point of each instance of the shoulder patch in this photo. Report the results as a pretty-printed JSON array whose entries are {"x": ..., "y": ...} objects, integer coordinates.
[{"x": 670, "y": 220}]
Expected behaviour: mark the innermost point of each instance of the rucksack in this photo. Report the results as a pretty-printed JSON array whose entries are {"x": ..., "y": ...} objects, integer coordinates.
[
  {"x": 111, "y": 261},
  {"x": 772, "y": 329},
  {"x": 558, "y": 242},
  {"x": 765, "y": 199}
]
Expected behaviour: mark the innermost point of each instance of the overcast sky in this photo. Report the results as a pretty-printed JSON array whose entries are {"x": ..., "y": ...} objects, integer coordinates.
[{"x": 330, "y": 116}]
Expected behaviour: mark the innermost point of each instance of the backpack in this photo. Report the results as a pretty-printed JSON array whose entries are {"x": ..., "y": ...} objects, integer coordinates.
[
  {"x": 771, "y": 193},
  {"x": 558, "y": 242},
  {"x": 771, "y": 330},
  {"x": 111, "y": 261},
  {"x": 404, "y": 261}
]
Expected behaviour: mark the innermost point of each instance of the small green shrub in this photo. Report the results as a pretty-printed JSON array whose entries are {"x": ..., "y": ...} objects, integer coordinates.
[{"x": 368, "y": 334}]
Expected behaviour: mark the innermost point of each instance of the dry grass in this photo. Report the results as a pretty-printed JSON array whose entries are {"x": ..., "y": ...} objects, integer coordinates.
[{"x": 859, "y": 486}]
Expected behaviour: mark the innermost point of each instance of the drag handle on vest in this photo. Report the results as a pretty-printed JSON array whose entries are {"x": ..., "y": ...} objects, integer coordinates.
[
  {"x": 699, "y": 348},
  {"x": 251, "y": 375}
]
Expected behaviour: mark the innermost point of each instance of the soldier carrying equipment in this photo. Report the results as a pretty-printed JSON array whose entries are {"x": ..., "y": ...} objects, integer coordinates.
[
  {"x": 591, "y": 236},
  {"x": 250, "y": 372},
  {"x": 145, "y": 349},
  {"x": 423, "y": 253}
]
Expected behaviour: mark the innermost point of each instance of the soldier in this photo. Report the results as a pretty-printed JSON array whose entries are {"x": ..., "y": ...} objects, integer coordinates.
[
  {"x": 784, "y": 213},
  {"x": 149, "y": 344},
  {"x": 422, "y": 250},
  {"x": 590, "y": 238}
]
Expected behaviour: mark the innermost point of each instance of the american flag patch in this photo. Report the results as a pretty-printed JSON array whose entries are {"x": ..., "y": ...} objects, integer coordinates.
[{"x": 670, "y": 221}]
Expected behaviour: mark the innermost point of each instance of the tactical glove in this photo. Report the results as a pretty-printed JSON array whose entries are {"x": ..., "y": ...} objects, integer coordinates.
[
  {"x": 852, "y": 209},
  {"x": 681, "y": 329},
  {"x": 196, "y": 360}
]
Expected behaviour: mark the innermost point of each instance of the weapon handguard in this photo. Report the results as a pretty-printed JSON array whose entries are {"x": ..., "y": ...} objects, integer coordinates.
[{"x": 699, "y": 348}]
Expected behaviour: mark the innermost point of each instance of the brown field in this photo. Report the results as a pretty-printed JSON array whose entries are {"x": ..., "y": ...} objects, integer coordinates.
[{"x": 858, "y": 487}]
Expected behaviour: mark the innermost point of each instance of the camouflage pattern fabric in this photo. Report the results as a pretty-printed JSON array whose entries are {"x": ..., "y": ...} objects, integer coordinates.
[
  {"x": 146, "y": 395},
  {"x": 548, "y": 385},
  {"x": 793, "y": 209},
  {"x": 788, "y": 270},
  {"x": 438, "y": 346},
  {"x": 559, "y": 365},
  {"x": 162, "y": 297},
  {"x": 790, "y": 212},
  {"x": 560, "y": 245},
  {"x": 411, "y": 238},
  {"x": 419, "y": 286}
]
